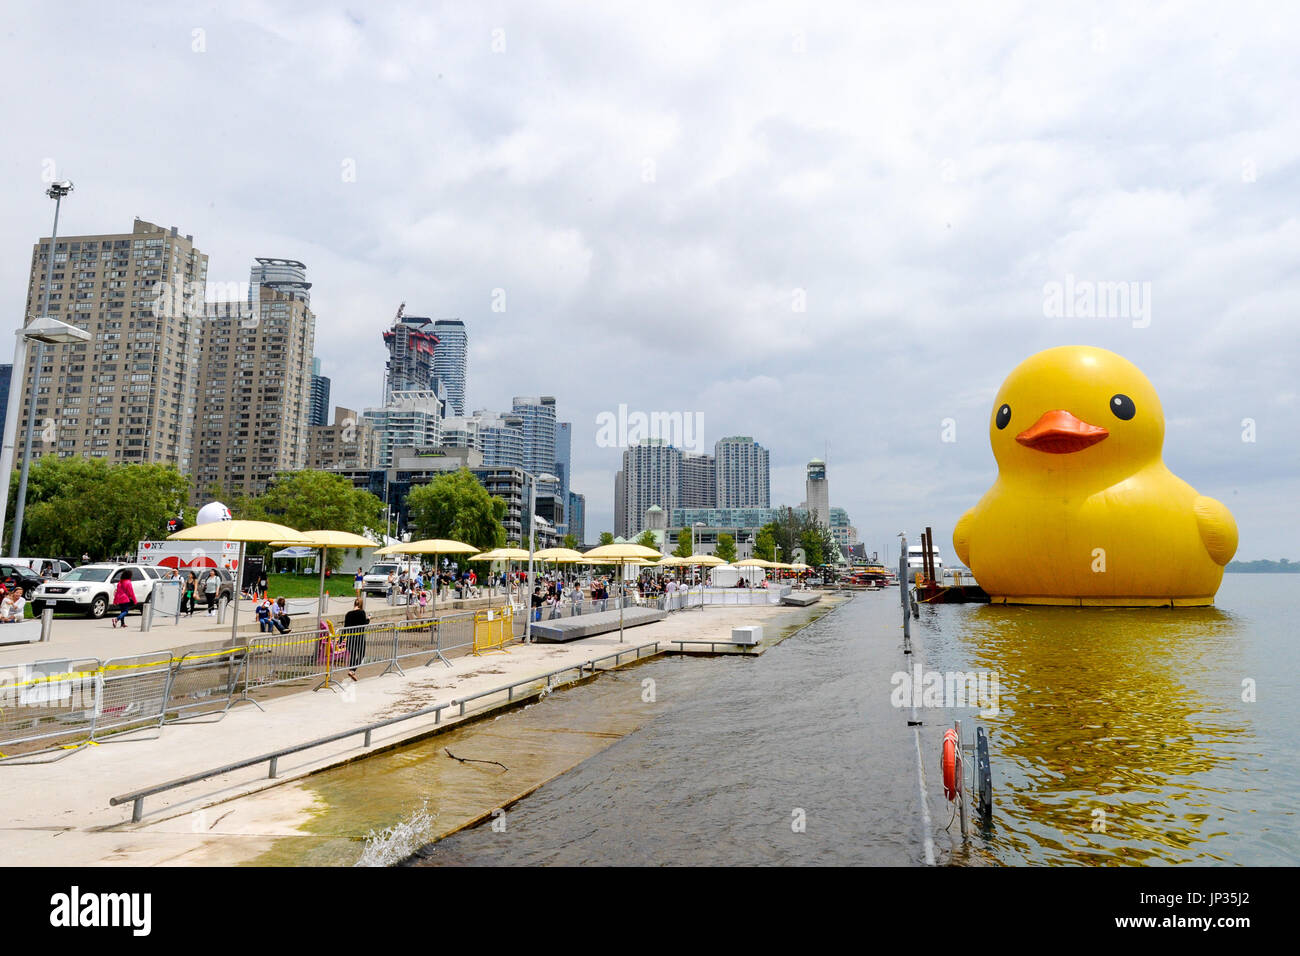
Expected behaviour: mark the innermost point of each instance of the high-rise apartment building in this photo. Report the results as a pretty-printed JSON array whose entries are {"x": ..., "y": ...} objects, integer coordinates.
[
  {"x": 283, "y": 275},
  {"x": 450, "y": 361},
  {"x": 699, "y": 481},
  {"x": 411, "y": 347},
  {"x": 320, "y": 396},
  {"x": 254, "y": 392},
  {"x": 742, "y": 476},
  {"x": 411, "y": 418},
  {"x": 6, "y": 376},
  {"x": 577, "y": 517},
  {"x": 620, "y": 506},
  {"x": 130, "y": 393},
  {"x": 818, "y": 493},
  {"x": 563, "y": 468},
  {"x": 348, "y": 443},
  {"x": 846, "y": 536},
  {"x": 538, "y": 415},
  {"x": 499, "y": 437},
  {"x": 652, "y": 472}
]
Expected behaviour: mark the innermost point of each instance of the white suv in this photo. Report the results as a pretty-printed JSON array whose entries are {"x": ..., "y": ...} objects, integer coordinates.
[{"x": 90, "y": 588}]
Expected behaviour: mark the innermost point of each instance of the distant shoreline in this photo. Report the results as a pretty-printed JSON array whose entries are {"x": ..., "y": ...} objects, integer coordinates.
[{"x": 1262, "y": 567}]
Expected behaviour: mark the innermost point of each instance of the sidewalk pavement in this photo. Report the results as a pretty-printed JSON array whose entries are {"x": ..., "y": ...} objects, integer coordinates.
[
  {"x": 79, "y": 638},
  {"x": 58, "y": 813}
]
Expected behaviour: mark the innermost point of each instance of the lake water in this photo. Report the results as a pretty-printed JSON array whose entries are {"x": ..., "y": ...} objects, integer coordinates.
[{"x": 1121, "y": 736}]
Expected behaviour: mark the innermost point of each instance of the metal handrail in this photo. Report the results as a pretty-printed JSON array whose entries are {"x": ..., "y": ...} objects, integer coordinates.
[{"x": 137, "y": 796}]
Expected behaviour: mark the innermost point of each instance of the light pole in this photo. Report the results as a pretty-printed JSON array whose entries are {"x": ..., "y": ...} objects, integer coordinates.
[
  {"x": 56, "y": 333},
  {"x": 42, "y": 329},
  {"x": 531, "y": 532},
  {"x": 699, "y": 570}
]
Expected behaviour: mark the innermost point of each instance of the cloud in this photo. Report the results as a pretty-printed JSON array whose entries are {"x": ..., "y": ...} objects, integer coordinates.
[{"x": 823, "y": 227}]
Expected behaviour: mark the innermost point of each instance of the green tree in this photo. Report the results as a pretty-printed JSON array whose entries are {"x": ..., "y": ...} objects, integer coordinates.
[
  {"x": 726, "y": 548},
  {"x": 606, "y": 537},
  {"x": 647, "y": 540},
  {"x": 77, "y": 505},
  {"x": 765, "y": 545},
  {"x": 684, "y": 547},
  {"x": 311, "y": 500},
  {"x": 571, "y": 542},
  {"x": 456, "y": 506}
]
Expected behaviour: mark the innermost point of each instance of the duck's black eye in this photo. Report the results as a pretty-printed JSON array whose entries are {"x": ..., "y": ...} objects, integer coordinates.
[
  {"x": 1123, "y": 407},
  {"x": 1004, "y": 416}
]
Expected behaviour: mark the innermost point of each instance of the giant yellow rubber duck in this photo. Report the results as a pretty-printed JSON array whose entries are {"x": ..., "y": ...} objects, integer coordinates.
[{"x": 1084, "y": 510}]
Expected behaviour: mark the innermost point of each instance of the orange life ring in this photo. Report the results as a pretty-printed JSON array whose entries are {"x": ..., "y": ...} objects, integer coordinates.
[{"x": 950, "y": 764}]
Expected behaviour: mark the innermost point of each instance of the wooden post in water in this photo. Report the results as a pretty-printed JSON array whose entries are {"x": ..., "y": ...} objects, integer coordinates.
[{"x": 929, "y": 555}]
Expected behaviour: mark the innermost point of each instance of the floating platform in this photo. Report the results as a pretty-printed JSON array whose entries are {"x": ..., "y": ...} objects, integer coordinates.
[
  {"x": 930, "y": 593},
  {"x": 800, "y": 600},
  {"x": 567, "y": 629}
]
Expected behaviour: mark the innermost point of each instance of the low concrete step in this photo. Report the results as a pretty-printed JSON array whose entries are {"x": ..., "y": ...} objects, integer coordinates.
[{"x": 587, "y": 625}]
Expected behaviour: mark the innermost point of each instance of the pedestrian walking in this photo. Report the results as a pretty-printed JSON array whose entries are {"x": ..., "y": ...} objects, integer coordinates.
[
  {"x": 354, "y": 623},
  {"x": 124, "y": 597},
  {"x": 358, "y": 582},
  {"x": 210, "y": 586},
  {"x": 187, "y": 599},
  {"x": 263, "y": 582}
]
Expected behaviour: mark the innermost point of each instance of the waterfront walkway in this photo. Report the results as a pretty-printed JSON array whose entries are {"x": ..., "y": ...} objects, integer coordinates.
[{"x": 58, "y": 813}]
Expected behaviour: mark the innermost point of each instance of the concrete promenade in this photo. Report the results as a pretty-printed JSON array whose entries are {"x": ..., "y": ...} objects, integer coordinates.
[
  {"x": 77, "y": 638},
  {"x": 58, "y": 813}
]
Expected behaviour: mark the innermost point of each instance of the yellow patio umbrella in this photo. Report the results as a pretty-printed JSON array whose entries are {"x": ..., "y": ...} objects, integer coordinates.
[
  {"x": 703, "y": 561},
  {"x": 243, "y": 532},
  {"x": 755, "y": 563},
  {"x": 322, "y": 540},
  {"x": 621, "y": 555},
  {"x": 433, "y": 546},
  {"x": 559, "y": 555}
]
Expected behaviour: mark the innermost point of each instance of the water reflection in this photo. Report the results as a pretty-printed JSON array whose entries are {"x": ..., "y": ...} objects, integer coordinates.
[{"x": 1117, "y": 727}]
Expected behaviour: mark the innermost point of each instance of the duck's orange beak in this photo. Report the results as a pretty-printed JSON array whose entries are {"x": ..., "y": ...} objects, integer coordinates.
[{"x": 1060, "y": 433}]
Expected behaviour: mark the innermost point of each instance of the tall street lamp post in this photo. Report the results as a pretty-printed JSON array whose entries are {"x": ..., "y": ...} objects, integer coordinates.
[
  {"x": 41, "y": 330},
  {"x": 531, "y": 531}
]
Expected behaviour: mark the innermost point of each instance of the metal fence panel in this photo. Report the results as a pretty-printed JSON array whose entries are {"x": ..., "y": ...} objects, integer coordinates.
[
  {"x": 132, "y": 693},
  {"x": 204, "y": 682},
  {"x": 285, "y": 658},
  {"x": 48, "y": 706}
]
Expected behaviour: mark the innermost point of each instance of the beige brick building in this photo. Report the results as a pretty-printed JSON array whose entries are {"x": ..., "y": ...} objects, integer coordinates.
[
  {"x": 348, "y": 443},
  {"x": 129, "y": 393},
  {"x": 254, "y": 393}
]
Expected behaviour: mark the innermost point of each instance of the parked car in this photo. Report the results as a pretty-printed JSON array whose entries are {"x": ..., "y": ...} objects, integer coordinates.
[
  {"x": 89, "y": 589},
  {"x": 376, "y": 580},
  {"x": 15, "y": 575},
  {"x": 225, "y": 589},
  {"x": 46, "y": 568}
]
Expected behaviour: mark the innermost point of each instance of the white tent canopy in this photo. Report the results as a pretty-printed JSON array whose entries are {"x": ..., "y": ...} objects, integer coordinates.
[
  {"x": 295, "y": 552},
  {"x": 726, "y": 576}
]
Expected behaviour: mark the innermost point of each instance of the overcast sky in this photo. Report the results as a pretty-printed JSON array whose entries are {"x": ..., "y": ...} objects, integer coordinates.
[{"x": 825, "y": 227}]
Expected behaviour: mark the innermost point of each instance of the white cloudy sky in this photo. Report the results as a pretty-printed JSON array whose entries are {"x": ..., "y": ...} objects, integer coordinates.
[{"x": 651, "y": 183}]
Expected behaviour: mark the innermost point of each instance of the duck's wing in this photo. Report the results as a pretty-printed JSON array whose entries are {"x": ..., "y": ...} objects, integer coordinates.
[
  {"x": 1217, "y": 527},
  {"x": 961, "y": 536}
]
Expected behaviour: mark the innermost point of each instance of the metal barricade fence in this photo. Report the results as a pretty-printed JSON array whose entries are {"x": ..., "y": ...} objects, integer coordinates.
[
  {"x": 286, "y": 658},
  {"x": 455, "y": 632},
  {"x": 48, "y": 707},
  {"x": 132, "y": 694},
  {"x": 205, "y": 682}
]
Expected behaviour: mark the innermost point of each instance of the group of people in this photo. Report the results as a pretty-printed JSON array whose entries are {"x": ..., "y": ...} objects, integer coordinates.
[
  {"x": 272, "y": 615},
  {"x": 12, "y": 607}
]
